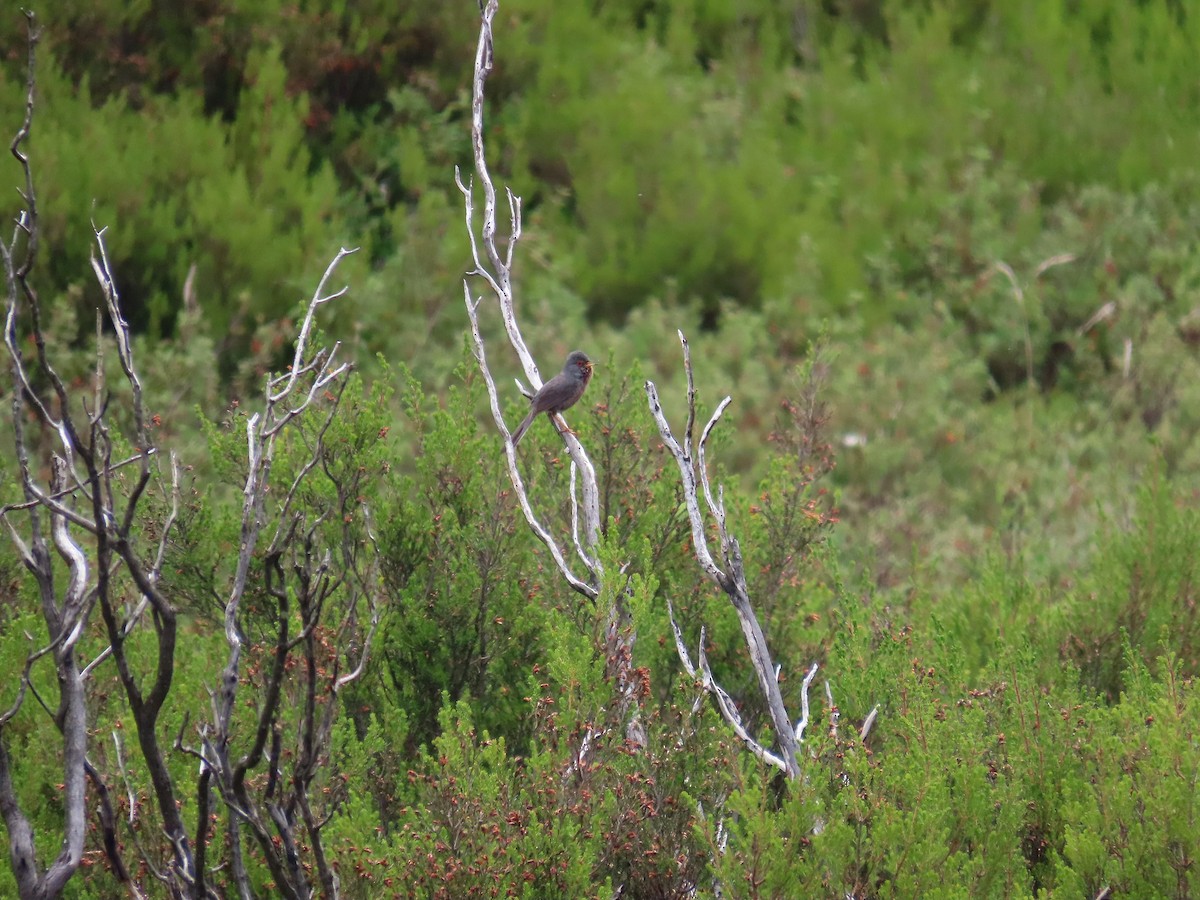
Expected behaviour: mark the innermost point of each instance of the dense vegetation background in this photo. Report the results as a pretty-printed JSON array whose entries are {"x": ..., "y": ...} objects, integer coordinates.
[{"x": 988, "y": 212}]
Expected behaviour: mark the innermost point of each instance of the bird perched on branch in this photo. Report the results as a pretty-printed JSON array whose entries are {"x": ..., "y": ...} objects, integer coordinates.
[{"x": 560, "y": 392}]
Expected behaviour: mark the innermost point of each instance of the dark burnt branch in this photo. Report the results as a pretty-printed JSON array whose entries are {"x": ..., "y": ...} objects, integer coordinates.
[
  {"x": 116, "y": 507},
  {"x": 319, "y": 568},
  {"x": 81, "y": 535},
  {"x": 107, "y": 821}
]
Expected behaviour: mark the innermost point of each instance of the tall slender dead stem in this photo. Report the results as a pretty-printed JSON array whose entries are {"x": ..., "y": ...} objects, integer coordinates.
[
  {"x": 728, "y": 574},
  {"x": 495, "y": 270}
]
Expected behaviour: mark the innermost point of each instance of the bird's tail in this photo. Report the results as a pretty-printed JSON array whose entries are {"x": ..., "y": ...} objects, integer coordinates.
[{"x": 524, "y": 426}]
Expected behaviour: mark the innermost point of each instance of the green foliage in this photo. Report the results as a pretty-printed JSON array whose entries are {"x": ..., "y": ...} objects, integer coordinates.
[
  {"x": 479, "y": 819},
  {"x": 689, "y": 151},
  {"x": 993, "y": 766},
  {"x": 474, "y": 828},
  {"x": 449, "y": 536},
  {"x": 1136, "y": 830},
  {"x": 188, "y": 190},
  {"x": 1005, "y": 788},
  {"x": 1139, "y": 594},
  {"x": 1010, "y": 580}
]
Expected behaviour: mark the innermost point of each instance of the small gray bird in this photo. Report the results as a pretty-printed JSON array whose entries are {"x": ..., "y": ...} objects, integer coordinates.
[{"x": 560, "y": 392}]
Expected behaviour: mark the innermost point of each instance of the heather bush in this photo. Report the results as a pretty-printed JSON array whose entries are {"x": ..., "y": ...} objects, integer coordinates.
[{"x": 941, "y": 255}]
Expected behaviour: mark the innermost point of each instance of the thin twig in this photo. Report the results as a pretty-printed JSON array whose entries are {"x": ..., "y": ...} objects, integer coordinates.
[{"x": 803, "y": 723}]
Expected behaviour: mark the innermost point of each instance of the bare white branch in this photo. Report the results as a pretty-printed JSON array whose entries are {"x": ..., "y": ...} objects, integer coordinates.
[
  {"x": 588, "y": 560},
  {"x": 587, "y": 589},
  {"x": 1103, "y": 314},
  {"x": 496, "y": 271},
  {"x": 688, "y": 475},
  {"x": 74, "y": 607},
  {"x": 680, "y": 644},
  {"x": 803, "y": 723},
  {"x": 868, "y": 722},
  {"x": 370, "y": 582},
  {"x": 129, "y": 792},
  {"x": 716, "y": 507},
  {"x": 733, "y": 717},
  {"x": 1051, "y": 262},
  {"x": 319, "y": 298},
  {"x": 120, "y": 326},
  {"x": 156, "y": 569},
  {"x": 480, "y": 270},
  {"x": 731, "y": 579}
]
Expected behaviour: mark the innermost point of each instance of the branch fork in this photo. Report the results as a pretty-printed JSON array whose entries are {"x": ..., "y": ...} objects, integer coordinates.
[{"x": 729, "y": 575}]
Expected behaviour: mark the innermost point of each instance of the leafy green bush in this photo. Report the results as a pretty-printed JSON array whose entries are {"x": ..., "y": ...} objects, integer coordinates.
[{"x": 1010, "y": 579}]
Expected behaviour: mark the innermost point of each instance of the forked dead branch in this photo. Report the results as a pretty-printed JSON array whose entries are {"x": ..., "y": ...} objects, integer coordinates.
[
  {"x": 585, "y": 573},
  {"x": 723, "y": 565},
  {"x": 729, "y": 574},
  {"x": 495, "y": 269}
]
